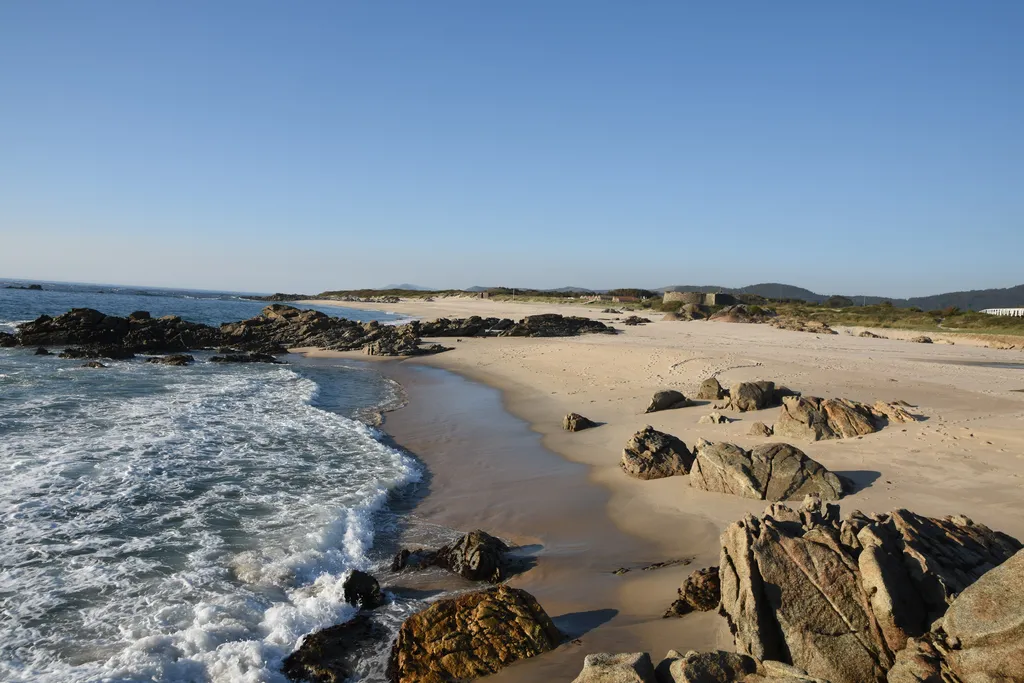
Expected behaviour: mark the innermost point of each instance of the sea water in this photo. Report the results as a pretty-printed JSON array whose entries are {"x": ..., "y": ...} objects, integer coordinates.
[{"x": 180, "y": 523}]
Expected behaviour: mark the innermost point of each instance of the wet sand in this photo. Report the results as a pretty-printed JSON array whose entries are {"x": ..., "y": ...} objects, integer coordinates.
[{"x": 489, "y": 470}]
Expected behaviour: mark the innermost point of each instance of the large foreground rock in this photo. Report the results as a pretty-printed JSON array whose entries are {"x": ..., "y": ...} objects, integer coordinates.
[
  {"x": 629, "y": 667},
  {"x": 470, "y": 636},
  {"x": 840, "y": 599},
  {"x": 813, "y": 419},
  {"x": 775, "y": 471},
  {"x": 651, "y": 454}
]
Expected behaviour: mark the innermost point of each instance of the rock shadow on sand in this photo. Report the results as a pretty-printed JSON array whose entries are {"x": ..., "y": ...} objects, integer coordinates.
[
  {"x": 855, "y": 481},
  {"x": 577, "y": 624}
]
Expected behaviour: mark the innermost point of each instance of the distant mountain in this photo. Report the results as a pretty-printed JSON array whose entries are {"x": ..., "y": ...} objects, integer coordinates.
[
  {"x": 1009, "y": 297},
  {"x": 573, "y": 290},
  {"x": 477, "y": 288},
  {"x": 407, "y": 286}
]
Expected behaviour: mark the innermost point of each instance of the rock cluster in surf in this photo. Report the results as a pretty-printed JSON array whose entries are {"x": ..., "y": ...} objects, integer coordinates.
[{"x": 91, "y": 334}]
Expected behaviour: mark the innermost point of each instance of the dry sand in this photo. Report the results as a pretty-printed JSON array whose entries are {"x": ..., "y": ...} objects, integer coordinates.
[{"x": 966, "y": 456}]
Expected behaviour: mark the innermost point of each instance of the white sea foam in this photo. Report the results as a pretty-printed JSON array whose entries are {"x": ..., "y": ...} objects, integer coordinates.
[{"x": 177, "y": 524}]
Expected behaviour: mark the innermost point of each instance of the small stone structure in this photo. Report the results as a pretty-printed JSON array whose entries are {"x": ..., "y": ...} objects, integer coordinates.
[{"x": 700, "y": 298}]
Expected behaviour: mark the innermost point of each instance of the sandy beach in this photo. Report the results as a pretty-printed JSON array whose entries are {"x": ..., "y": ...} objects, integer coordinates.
[{"x": 965, "y": 455}]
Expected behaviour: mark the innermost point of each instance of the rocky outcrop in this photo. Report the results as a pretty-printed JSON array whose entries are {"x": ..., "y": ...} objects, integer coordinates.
[
  {"x": 276, "y": 327},
  {"x": 743, "y": 314},
  {"x": 331, "y": 655},
  {"x": 574, "y": 422},
  {"x": 760, "y": 429},
  {"x": 651, "y": 454},
  {"x": 979, "y": 640},
  {"x": 801, "y": 325},
  {"x": 42, "y": 351},
  {"x": 178, "y": 359},
  {"x": 700, "y": 592},
  {"x": 922, "y": 340},
  {"x": 95, "y": 364},
  {"x": 101, "y": 351},
  {"x": 476, "y": 556},
  {"x": 775, "y": 471},
  {"x": 630, "y": 667},
  {"x": 667, "y": 400},
  {"x": 470, "y": 636},
  {"x": 362, "y": 590},
  {"x": 711, "y": 390},
  {"x": 634, "y": 320},
  {"x": 838, "y": 598},
  {"x": 812, "y": 419}
]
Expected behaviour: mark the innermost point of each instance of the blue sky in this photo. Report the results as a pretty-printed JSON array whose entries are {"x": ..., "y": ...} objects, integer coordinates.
[{"x": 857, "y": 147}]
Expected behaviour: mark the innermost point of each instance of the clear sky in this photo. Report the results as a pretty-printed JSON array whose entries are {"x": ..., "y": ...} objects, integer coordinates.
[{"x": 855, "y": 147}]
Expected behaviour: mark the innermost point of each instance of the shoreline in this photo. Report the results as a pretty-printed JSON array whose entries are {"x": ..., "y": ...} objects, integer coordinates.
[{"x": 966, "y": 456}]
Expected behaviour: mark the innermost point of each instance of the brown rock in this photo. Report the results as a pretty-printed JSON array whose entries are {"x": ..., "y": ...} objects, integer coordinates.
[
  {"x": 574, "y": 422},
  {"x": 760, "y": 429},
  {"x": 700, "y": 592},
  {"x": 797, "y": 587},
  {"x": 752, "y": 395},
  {"x": 666, "y": 400},
  {"x": 768, "y": 472},
  {"x": 651, "y": 454},
  {"x": 470, "y": 636},
  {"x": 922, "y": 340},
  {"x": 630, "y": 667},
  {"x": 711, "y": 390}
]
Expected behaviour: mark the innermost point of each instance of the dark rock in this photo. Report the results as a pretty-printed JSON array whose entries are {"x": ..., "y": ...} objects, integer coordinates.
[
  {"x": 413, "y": 559},
  {"x": 634, "y": 320},
  {"x": 747, "y": 396},
  {"x": 100, "y": 351},
  {"x": 178, "y": 359},
  {"x": 701, "y": 592},
  {"x": 774, "y": 471},
  {"x": 331, "y": 655},
  {"x": 666, "y": 400},
  {"x": 554, "y": 325},
  {"x": 139, "y": 315},
  {"x": 651, "y": 454},
  {"x": 362, "y": 590},
  {"x": 471, "y": 636},
  {"x": 42, "y": 351},
  {"x": 476, "y": 556},
  {"x": 922, "y": 340},
  {"x": 93, "y": 364},
  {"x": 574, "y": 422},
  {"x": 871, "y": 335},
  {"x": 8, "y": 340}
]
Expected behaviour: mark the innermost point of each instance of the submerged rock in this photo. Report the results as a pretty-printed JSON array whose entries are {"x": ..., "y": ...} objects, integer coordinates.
[
  {"x": 178, "y": 359},
  {"x": 42, "y": 351},
  {"x": 102, "y": 351},
  {"x": 471, "y": 635},
  {"x": 651, "y": 454},
  {"x": 245, "y": 358},
  {"x": 574, "y": 422},
  {"x": 362, "y": 590},
  {"x": 93, "y": 364},
  {"x": 773, "y": 472},
  {"x": 331, "y": 655}
]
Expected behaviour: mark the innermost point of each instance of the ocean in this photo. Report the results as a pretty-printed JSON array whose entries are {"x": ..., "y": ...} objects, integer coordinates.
[{"x": 183, "y": 523}]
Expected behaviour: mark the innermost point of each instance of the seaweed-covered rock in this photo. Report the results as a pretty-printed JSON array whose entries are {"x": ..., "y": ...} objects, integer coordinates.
[
  {"x": 651, "y": 454},
  {"x": 471, "y": 635}
]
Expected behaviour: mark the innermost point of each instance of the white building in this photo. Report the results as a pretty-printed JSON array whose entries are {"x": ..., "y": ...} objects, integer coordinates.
[{"x": 1015, "y": 312}]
